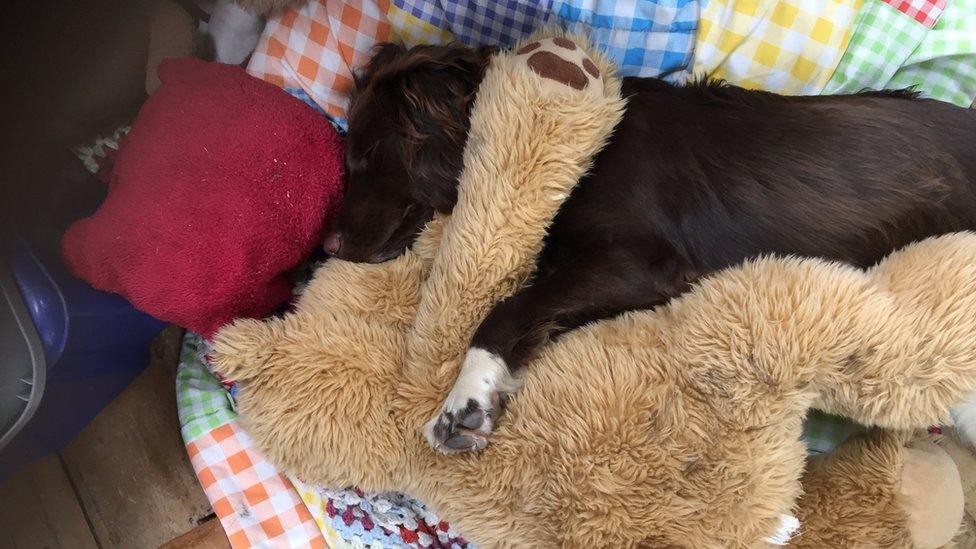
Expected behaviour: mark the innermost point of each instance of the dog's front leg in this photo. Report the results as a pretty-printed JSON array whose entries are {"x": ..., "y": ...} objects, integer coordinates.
[{"x": 601, "y": 285}]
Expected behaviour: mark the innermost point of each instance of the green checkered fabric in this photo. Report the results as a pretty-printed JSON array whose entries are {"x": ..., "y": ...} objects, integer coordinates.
[
  {"x": 882, "y": 41},
  {"x": 944, "y": 64},
  {"x": 822, "y": 433},
  {"x": 203, "y": 403},
  {"x": 890, "y": 50}
]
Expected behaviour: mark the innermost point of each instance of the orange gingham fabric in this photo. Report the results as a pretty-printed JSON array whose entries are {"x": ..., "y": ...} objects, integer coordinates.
[
  {"x": 256, "y": 505},
  {"x": 313, "y": 47}
]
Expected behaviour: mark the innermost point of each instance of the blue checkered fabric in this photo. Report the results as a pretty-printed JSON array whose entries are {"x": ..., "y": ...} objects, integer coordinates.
[
  {"x": 340, "y": 124},
  {"x": 482, "y": 22},
  {"x": 642, "y": 37}
]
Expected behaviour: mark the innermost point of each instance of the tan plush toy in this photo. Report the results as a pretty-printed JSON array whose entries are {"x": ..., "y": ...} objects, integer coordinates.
[{"x": 678, "y": 427}]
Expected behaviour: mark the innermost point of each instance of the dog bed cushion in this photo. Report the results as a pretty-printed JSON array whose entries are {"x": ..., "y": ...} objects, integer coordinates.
[{"x": 223, "y": 185}]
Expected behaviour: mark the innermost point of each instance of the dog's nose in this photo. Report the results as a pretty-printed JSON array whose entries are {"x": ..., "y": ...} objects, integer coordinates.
[{"x": 333, "y": 242}]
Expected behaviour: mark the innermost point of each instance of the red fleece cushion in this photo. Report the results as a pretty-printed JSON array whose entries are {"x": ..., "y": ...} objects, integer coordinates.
[{"x": 223, "y": 185}]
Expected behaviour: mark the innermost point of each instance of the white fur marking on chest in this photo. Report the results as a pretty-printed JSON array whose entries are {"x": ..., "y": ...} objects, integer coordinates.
[{"x": 788, "y": 526}]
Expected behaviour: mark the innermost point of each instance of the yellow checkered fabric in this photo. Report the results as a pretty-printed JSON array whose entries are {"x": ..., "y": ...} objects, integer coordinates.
[
  {"x": 786, "y": 46},
  {"x": 317, "y": 506},
  {"x": 413, "y": 31}
]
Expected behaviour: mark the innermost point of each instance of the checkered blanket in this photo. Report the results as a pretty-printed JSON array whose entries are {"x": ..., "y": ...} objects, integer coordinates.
[
  {"x": 313, "y": 50},
  {"x": 257, "y": 506},
  {"x": 786, "y": 46},
  {"x": 929, "y": 45},
  {"x": 260, "y": 507},
  {"x": 809, "y": 47}
]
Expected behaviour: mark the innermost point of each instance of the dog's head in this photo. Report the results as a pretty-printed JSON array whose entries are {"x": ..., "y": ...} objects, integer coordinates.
[{"x": 407, "y": 127}]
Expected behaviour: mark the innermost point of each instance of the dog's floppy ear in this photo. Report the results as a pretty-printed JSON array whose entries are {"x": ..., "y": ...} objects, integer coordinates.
[
  {"x": 430, "y": 90},
  {"x": 439, "y": 92},
  {"x": 439, "y": 172},
  {"x": 441, "y": 81},
  {"x": 384, "y": 55}
]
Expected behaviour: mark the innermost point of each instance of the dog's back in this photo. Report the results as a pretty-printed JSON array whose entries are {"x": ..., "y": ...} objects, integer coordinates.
[{"x": 723, "y": 174}]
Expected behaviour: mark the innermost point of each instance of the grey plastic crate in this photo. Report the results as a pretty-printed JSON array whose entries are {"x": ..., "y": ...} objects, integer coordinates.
[{"x": 22, "y": 364}]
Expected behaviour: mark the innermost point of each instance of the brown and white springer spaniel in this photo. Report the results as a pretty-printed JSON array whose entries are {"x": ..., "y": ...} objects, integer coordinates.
[{"x": 696, "y": 178}]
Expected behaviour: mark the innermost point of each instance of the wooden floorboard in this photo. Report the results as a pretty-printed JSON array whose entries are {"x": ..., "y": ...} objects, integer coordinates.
[
  {"x": 38, "y": 508},
  {"x": 129, "y": 465},
  {"x": 209, "y": 535}
]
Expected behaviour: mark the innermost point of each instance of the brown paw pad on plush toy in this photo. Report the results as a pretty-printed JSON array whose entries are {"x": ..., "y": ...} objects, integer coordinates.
[{"x": 561, "y": 60}]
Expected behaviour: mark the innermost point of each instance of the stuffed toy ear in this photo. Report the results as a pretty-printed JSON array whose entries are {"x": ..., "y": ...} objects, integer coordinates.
[
  {"x": 931, "y": 494},
  {"x": 880, "y": 490}
]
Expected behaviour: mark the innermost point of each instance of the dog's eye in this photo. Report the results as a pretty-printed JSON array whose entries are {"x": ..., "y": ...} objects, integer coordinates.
[
  {"x": 357, "y": 161},
  {"x": 355, "y": 164},
  {"x": 406, "y": 213},
  {"x": 370, "y": 150}
]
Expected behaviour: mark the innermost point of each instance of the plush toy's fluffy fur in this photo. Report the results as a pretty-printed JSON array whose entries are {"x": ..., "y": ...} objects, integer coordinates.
[{"x": 674, "y": 427}]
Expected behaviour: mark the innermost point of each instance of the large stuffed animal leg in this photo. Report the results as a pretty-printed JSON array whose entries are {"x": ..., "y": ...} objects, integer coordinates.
[
  {"x": 879, "y": 490},
  {"x": 917, "y": 356},
  {"x": 323, "y": 376}
]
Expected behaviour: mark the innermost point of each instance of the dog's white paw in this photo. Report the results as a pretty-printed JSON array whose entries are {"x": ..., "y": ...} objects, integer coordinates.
[{"x": 472, "y": 407}]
